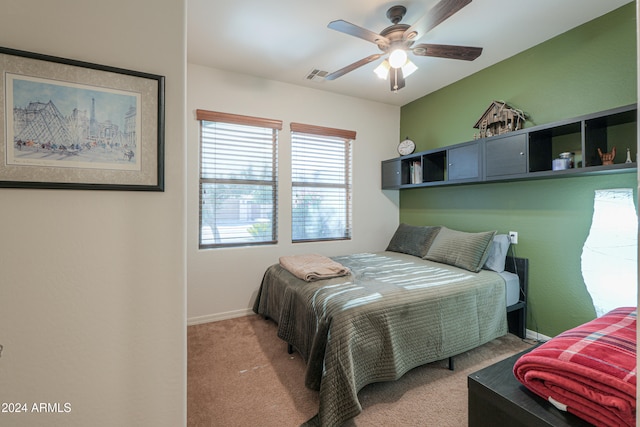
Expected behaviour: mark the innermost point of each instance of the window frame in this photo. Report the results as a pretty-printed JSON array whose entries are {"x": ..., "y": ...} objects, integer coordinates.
[
  {"x": 347, "y": 137},
  {"x": 235, "y": 119}
]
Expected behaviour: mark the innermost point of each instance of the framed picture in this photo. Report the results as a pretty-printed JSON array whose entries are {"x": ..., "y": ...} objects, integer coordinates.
[{"x": 69, "y": 124}]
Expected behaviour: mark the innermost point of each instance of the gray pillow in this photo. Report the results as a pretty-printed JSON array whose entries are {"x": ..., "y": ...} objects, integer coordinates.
[
  {"x": 412, "y": 239},
  {"x": 497, "y": 253},
  {"x": 461, "y": 249}
]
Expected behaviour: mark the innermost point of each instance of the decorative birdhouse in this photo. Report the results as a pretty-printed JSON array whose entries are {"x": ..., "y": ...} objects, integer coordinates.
[{"x": 498, "y": 119}]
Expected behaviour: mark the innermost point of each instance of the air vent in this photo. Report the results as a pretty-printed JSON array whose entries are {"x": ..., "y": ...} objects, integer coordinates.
[{"x": 317, "y": 75}]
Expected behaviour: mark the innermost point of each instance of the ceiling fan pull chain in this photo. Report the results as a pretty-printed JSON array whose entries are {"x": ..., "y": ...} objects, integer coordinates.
[{"x": 395, "y": 86}]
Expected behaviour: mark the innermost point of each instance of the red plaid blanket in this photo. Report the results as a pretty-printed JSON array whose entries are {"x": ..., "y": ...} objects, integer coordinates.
[{"x": 589, "y": 371}]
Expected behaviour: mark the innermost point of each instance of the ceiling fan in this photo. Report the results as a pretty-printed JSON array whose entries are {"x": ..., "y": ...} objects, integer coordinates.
[{"x": 398, "y": 39}]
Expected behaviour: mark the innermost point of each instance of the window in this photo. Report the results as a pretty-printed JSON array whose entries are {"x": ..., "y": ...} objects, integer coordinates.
[
  {"x": 321, "y": 183},
  {"x": 238, "y": 179}
]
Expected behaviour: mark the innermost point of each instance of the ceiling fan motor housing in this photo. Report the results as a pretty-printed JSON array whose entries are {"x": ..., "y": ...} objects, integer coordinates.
[{"x": 394, "y": 34}]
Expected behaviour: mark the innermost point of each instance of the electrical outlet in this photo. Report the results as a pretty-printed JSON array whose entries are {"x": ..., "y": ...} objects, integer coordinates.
[{"x": 513, "y": 237}]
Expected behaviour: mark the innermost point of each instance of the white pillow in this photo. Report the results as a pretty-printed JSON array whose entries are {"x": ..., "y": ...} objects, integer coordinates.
[{"x": 497, "y": 253}]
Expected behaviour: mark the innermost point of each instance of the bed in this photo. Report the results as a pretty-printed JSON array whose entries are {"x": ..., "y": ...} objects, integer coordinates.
[{"x": 395, "y": 310}]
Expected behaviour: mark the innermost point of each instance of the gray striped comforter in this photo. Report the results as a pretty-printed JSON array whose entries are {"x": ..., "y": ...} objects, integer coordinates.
[{"x": 393, "y": 313}]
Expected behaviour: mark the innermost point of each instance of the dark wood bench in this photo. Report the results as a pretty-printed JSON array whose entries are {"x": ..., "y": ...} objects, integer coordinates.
[{"x": 497, "y": 398}]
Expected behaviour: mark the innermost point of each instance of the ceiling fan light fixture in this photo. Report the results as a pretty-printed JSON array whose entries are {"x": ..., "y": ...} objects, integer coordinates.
[
  {"x": 382, "y": 70},
  {"x": 398, "y": 58},
  {"x": 408, "y": 68}
]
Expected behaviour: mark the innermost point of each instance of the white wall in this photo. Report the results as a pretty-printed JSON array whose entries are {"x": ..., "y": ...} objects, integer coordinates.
[
  {"x": 92, "y": 283},
  {"x": 222, "y": 283}
]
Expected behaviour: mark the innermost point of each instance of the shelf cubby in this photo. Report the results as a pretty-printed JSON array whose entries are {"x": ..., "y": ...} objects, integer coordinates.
[
  {"x": 434, "y": 166},
  {"x": 614, "y": 130},
  {"x": 547, "y": 144}
]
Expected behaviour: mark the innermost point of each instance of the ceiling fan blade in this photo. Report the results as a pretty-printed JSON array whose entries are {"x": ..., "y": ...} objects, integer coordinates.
[
  {"x": 351, "y": 67},
  {"x": 434, "y": 17},
  {"x": 354, "y": 30},
  {"x": 396, "y": 79},
  {"x": 466, "y": 53}
]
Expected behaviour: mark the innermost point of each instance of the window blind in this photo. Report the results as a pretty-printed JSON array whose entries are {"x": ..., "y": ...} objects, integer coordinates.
[
  {"x": 321, "y": 184},
  {"x": 238, "y": 180}
]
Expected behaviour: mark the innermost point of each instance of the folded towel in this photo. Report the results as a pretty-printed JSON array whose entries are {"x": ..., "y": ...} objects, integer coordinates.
[
  {"x": 589, "y": 371},
  {"x": 311, "y": 267}
]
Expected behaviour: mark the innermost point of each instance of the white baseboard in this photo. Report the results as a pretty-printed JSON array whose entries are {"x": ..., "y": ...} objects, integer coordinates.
[
  {"x": 217, "y": 317},
  {"x": 533, "y": 335}
]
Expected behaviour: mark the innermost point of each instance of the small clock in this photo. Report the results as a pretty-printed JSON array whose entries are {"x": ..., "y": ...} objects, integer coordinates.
[{"x": 406, "y": 147}]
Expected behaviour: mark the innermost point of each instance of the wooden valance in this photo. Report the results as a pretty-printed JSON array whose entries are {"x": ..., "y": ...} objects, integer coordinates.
[
  {"x": 214, "y": 116},
  {"x": 324, "y": 131}
]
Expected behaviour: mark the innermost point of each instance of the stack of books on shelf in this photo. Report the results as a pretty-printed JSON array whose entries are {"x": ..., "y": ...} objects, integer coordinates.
[{"x": 416, "y": 172}]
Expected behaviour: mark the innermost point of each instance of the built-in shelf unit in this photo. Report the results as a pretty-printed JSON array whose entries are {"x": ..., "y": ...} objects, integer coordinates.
[{"x": 524, "y": 154}]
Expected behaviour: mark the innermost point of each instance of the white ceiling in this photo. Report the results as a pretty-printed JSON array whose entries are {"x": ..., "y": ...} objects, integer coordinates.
[{"x": 284, "y": 40}]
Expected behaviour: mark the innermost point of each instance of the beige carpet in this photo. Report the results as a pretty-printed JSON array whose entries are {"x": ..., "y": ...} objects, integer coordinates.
[{"x": 239, "y": 374}]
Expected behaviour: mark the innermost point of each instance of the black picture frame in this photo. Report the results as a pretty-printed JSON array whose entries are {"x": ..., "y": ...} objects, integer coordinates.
[{"x": 69, "y": 124}]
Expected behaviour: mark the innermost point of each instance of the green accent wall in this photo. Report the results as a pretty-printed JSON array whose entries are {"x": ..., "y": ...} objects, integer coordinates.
[{"x": 585, "y": 70}]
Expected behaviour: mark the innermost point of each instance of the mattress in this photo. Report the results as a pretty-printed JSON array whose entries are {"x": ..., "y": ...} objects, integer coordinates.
[{"x": 512, "y": 284}]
